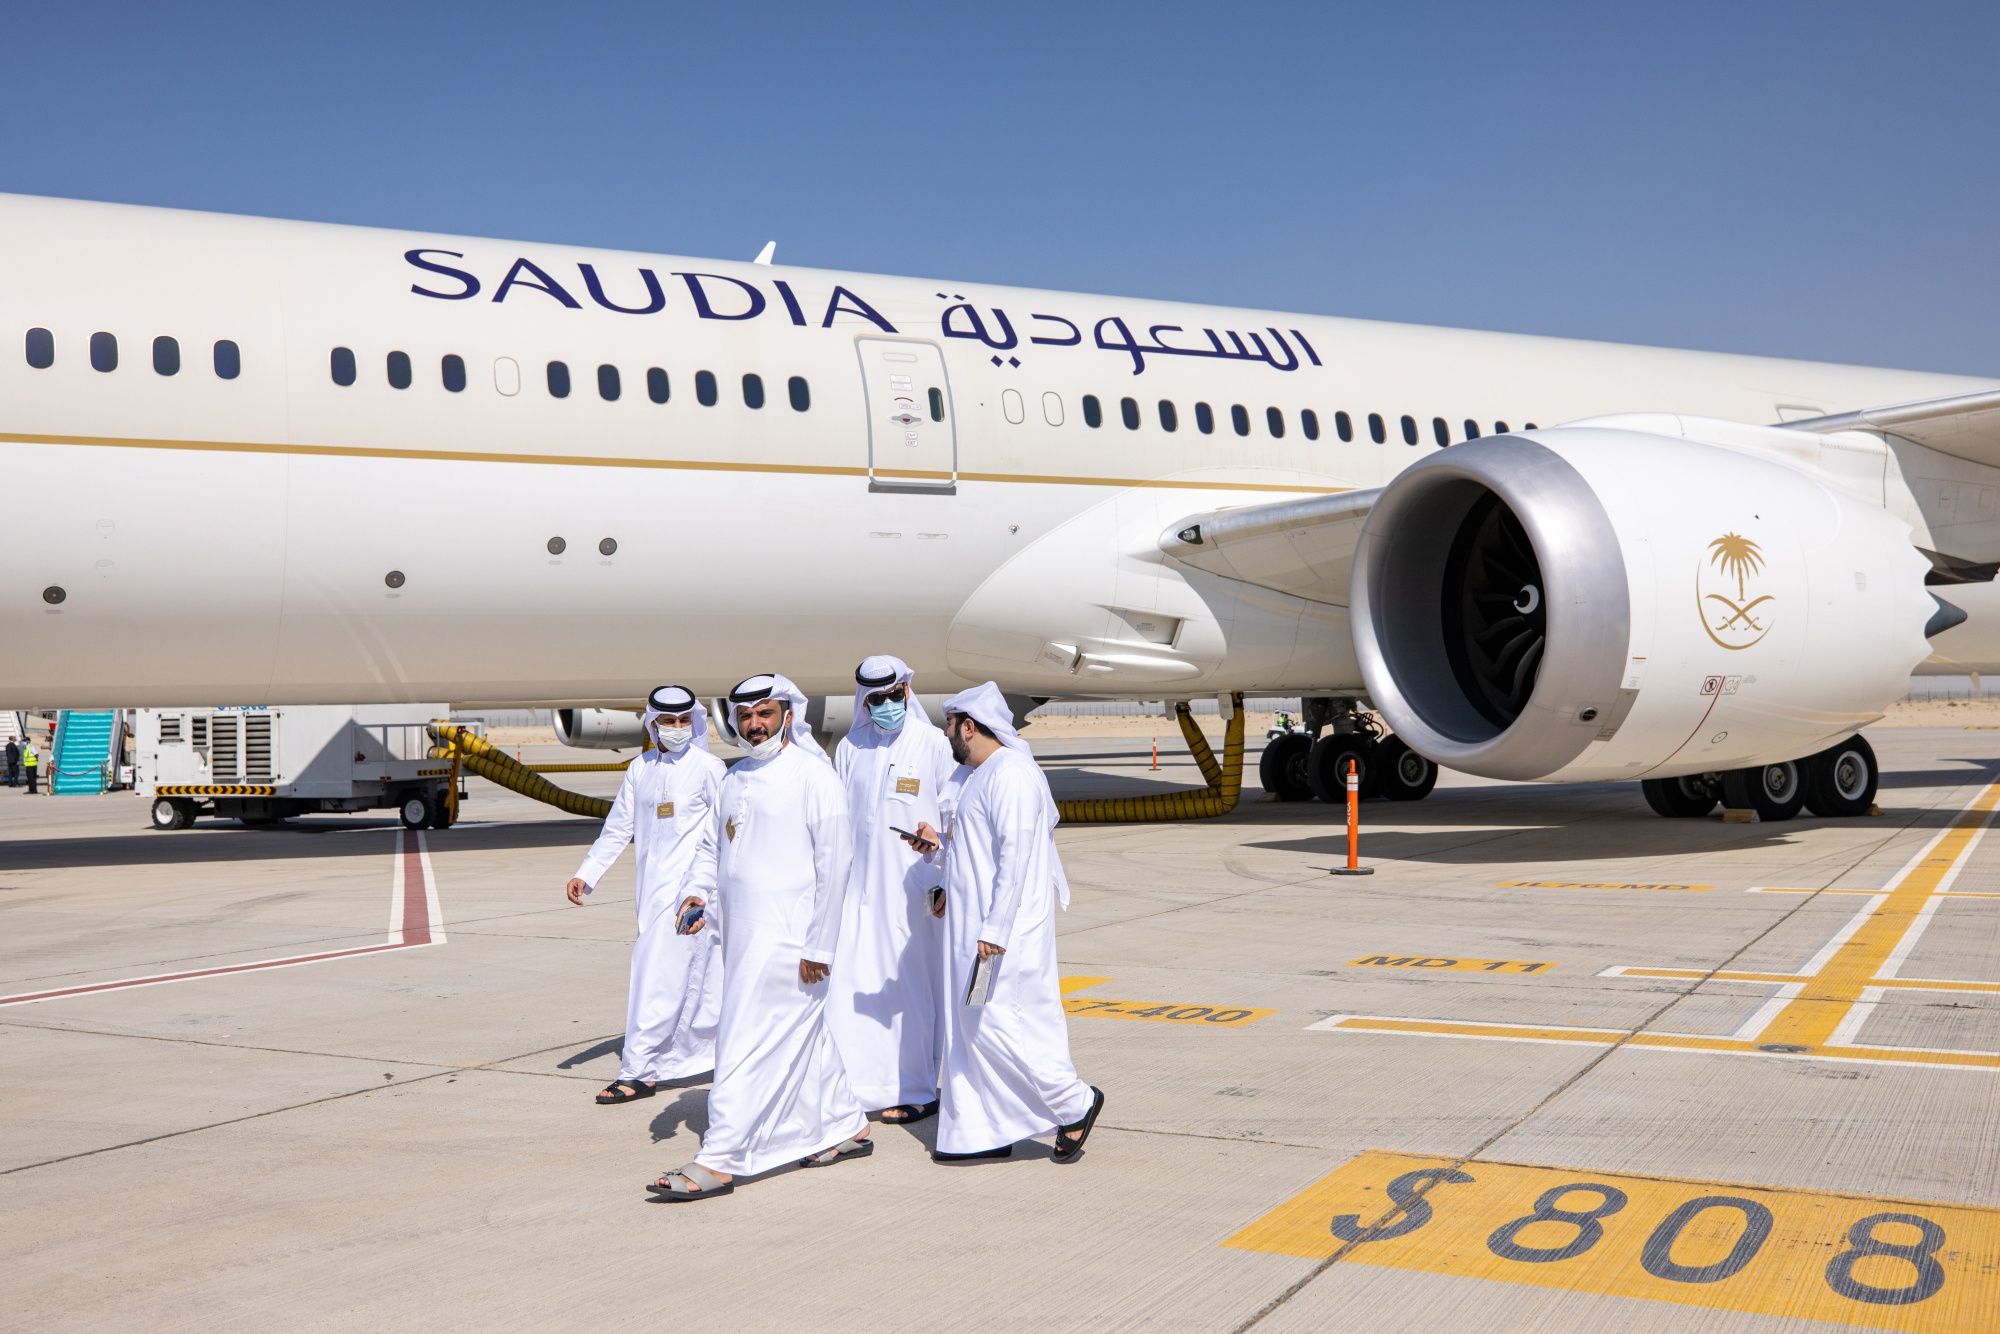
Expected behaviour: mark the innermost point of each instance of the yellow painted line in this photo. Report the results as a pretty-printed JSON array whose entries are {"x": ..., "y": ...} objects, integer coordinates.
[
  {"x": 1871, "y": 893},
  {"x": 1592, "y": 884},
  {"x": 1723, "y": 975},
  {"x": 1797, "y": 1255},
  {"x": 1159, "y": 1012},
  {"x": 618, "y": 461},
  {"x": 1811, "y": 1018},
  {"x": 1438, "y": 963},
  {"x": 1069, "y": 984}
]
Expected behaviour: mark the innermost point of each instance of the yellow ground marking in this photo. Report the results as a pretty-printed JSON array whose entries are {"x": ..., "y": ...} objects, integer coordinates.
[
  {"x": 1724, "y": 975},
  {"x": 1069, "y": 984},
  {"x": 1590, "y": 884},
  {"x": 1802, "y": 1255},
  {"x": 1438, "y": 963},
  {"x": 1946, "y": 893},
  {"x": 1164, "y": 1012}
]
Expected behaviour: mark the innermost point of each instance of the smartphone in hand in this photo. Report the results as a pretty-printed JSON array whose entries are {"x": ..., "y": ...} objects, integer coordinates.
[{"x": 690, "y": 918}]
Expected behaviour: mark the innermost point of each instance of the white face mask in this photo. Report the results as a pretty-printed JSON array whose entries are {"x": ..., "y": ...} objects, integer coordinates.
[
  {"x": 765, "y": 749},
  {"x": 675, "y": 738}
]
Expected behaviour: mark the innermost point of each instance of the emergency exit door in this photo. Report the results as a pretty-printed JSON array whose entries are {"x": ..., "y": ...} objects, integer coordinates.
[{"x": 912, "y": 435}]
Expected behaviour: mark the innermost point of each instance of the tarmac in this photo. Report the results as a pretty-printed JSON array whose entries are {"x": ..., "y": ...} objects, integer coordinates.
[{"x": 1558, "y": 1064}]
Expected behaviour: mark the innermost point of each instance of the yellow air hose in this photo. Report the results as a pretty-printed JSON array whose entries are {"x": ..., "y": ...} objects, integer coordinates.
[
  {"x": 1225, "y": 781},
  {"x": 496, "y": 766}
]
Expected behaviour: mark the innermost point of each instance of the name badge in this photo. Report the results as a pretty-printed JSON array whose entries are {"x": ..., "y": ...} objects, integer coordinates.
[
  {"x": 729, "y": 828},
  {"x": 908, "y": 786},
  {"x": 665, "y": 811}
]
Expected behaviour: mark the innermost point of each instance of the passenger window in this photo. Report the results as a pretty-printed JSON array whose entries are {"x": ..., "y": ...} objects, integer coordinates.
[
  {"x": 608, "y": 385},
  {"x": 656, "y": 385},
  {"x": 399, "y": 370},
  {"x": 1527, "y": 426},
  {"x": 1376, "y": 430},
  {"x": 753, "y": 391},
  {"x": 1170, "y": 420},
  {"x": 937, "y": 404},
  {"x": 104, "y": 352},
  {"x": 1499, "y": 428},
  {"x": 1204, "y": 419},
  {"x": 507, "y": 376},
  {"x": 343, "y": 366},
  {"x": 1343, "y": 426},
  {"x": 1274, "y": 421},
  {"x": 704, "y": 388},
  {"x": 452, "y": 368},
  {"x": 801, "y": 393},
  {"x": 1440, "y": 432},
  {"x": 1128, "y": 408},
  {"x": 1409, "y": 429},
  {"x": 166, "y": 355},
  {"x": 1093, "y": 414},
  {"x": 1309, "y": 423},
  {"x": 1239, "y": 417},
  {"x": 1011, "y": 406},
  {"x": 1471, "y": 429},
  {"x": 41, "y": 349},
  {"x": 558, "y": 379},
  {"x": 1052, "y": 408},
  {"x": 228, "y": 359}
]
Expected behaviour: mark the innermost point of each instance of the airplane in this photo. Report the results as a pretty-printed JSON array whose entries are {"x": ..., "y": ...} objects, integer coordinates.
[{"x": 275, "y": 462}]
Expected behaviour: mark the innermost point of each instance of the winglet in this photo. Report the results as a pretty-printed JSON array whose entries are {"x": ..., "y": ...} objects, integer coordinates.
[{"x": 764, "y": 256}]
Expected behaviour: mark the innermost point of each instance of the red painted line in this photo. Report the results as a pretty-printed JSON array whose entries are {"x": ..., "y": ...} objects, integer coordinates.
[{"x": 416, "y": 928}]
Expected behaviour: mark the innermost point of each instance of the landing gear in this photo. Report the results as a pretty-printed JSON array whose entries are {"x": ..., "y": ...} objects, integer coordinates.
[
  {"x": 1326, "y": 767},
  {"x": 1688, "y": 797},
  {"x": 1775, "y": 791},
  {"x": 172, "y": 813},
  {"x": 1841, "y": 780},
  {"x": 416, "y": 811},
  {"x": 1400, "y": 773},
  {"x": 1283, "y": 768}
]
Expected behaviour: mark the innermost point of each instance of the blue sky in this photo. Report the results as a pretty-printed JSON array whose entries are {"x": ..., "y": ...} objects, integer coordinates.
[{"x": 1812, "y": 180}]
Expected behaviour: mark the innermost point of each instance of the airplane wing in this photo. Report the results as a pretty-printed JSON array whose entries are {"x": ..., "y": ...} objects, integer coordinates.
[
  {"x": 1302, "y": 547},
  {"x": 1965, "y": 426}
]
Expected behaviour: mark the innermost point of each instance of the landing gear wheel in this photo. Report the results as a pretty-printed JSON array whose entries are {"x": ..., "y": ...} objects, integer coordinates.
[
  {"x": 1283, "y": 768},
  {"x": 171, "y": 813},
  {"x": 1774, "y": 791},
  {"x": 1326, "y": 766},
  {"x": 1686, "y": 798},
  {"x": 1841, "y": 780},
  {"x": 416, "y": 811},
  {"x": 1400, "y": 773}
]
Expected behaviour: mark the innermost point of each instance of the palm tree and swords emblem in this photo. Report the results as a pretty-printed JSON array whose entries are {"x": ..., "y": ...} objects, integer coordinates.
[{"x": 1740, "y": 621}]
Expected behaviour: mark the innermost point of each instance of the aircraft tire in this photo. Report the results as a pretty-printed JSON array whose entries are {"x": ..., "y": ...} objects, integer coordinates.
[
  {"x": 1326, "y": 766},
  {"x": 1400, "y": 773},
  {"x": 1841, "y": 780},
  {"x": 1282, "y": 770},
  {"x": 1775, "y": 791},
  {"x": 1686, "y": 798}
]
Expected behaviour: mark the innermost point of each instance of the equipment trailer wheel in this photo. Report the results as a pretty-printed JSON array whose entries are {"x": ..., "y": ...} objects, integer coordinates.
[
  {"x": 1400, "y": 773},
  {"x": 1326, "y": 766},
  {"x": 170, "y": 813},
  {"x": 1282, "y": 770},
  {"x": 1774, "y": 791},
  {"x": 416, "y": 811},
  {"x": 1841, "y": 780},
  {"x": 1686, "y": 798}
]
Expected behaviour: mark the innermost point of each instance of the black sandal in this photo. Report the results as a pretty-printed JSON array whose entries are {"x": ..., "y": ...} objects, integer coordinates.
[
  {"x": 1004, "y": 1151},
  {"x": 909, "y": 1113},
  {"x": 615, "y": 1092},
  {"x": 1070, "y": 1138}
]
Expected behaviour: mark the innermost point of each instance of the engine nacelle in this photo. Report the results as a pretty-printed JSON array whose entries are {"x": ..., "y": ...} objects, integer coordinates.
[
  {"x": 600, "y": 729},
  {"x": 1600, "y": 603}
]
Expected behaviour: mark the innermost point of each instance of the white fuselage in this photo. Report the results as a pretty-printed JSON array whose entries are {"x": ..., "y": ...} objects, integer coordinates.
[{"x": 233, "y": 540}]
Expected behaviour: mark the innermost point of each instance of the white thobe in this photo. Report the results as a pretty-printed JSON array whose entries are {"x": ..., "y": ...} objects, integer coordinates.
[
  {"x": 783, "y": 849},
  {"x": 883, "y": 1003},
  {"x": 666, "y": 809},
  {"x": 1007, "y": 1070}
]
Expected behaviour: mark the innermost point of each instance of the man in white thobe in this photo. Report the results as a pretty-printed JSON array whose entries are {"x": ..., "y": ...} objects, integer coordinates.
[
  {"x": 780, "y": 1093},
  {"x": 666, "y": 809},
  {"x": 1007, "y": 1070},
  {"x": 894, "y": 763}
]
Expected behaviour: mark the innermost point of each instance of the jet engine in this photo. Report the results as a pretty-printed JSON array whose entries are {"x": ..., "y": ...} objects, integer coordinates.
[
  {"x": 600, "y": 729},
  {"x": 1592, "y": 602}
]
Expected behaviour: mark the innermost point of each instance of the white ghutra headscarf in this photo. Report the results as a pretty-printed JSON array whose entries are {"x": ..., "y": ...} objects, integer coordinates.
[
  {"x": 880, "y": 673},
  {"x": 675, "y": 700},
  {"x": 770, "y": 685}
]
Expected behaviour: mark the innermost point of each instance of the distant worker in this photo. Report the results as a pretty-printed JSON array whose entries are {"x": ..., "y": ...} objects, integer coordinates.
[
  {"x": 883, "y": 1005},
  {"x": 781, "y": 1094},
  {"x": 1007, "y": 1069},
  {"x": 666, "y": 808},
  {"x": 31, "y": 763},
  {"x": 13, "y": 758}
]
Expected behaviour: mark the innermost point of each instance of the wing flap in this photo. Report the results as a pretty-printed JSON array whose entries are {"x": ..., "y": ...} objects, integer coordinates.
[{"x": 1301, "y": 547}]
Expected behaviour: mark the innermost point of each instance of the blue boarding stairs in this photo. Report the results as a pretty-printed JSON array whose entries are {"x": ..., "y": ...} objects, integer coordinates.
[{"x": 82, "y": 762}]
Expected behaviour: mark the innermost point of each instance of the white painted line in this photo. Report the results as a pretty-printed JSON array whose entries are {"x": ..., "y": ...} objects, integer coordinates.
[
  {"x": 1918, "y": 924},
  {"x": 1761, "y": 1017},
  {"x": 1842, "y": 936},
  {"x": 1845, "y": 1032}
]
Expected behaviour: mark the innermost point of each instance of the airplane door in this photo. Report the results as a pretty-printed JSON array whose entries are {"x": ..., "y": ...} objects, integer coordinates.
[{"x": 912, "y": 435}]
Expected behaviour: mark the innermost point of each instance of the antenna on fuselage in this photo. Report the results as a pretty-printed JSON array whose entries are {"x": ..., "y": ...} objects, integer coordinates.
[{"x": 764, "y": 255}]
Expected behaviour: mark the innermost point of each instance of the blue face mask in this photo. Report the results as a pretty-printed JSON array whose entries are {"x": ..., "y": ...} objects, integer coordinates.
[{"x": 888, "y": 715}]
